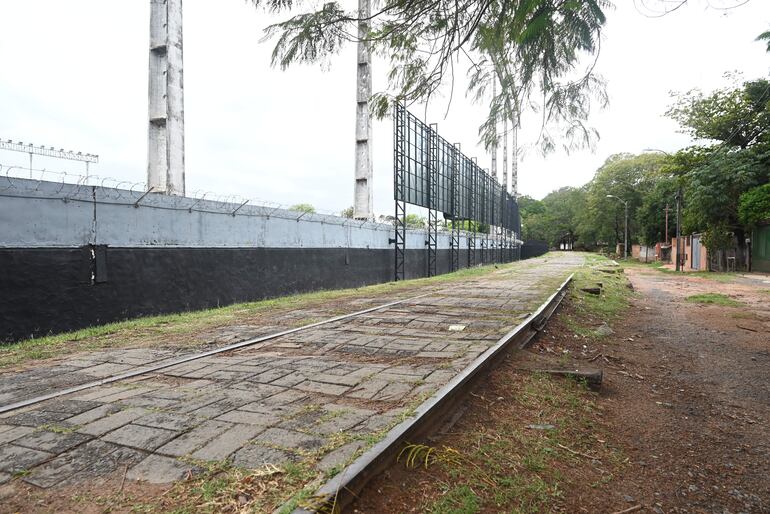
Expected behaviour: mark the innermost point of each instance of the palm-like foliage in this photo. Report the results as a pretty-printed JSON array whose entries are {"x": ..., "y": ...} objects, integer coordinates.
[
  {"x": 533, "y": 48},
  {"x": 765, "y": 36}
]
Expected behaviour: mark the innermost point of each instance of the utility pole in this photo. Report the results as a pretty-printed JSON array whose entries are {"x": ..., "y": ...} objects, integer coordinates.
[
  {"x": 625, "y": 229},
  {"x": 625, "y": 234},
  {"x": 678, "y": 229},
  {"x": 665, "y": 237},
  {"x": 165, "y": 134},
  {"x": 362, "y": 195}
]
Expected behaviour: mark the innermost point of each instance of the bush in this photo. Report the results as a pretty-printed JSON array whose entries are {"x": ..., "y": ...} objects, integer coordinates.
[{"x": 754, "y": 207}]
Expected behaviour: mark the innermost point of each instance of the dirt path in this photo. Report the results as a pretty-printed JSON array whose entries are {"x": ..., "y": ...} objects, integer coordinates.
[
  {"x": 696, "y": 424},
  {"x": 680, "y": 423}
]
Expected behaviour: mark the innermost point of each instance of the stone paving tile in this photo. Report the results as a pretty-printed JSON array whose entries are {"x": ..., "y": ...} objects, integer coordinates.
[
  {"x": 288, "y": 439},
  {"x": 105, "y": 460},
  {"x": 368, "y": 389},
  {"x": 140, "y": 437},
  {"x": 393, "y": 391},
  {"x": 106, "y": 370},
  {"x": 167, "y": 420},
  {"x": 340, "y": 456},
  {"x": 106, "y": 424},
  {"x": 250, "y": 418},
  {"x": 52, "y": 442},
  {"x": 226, "y": 443},
  {"x": 14, "y": 459},
  {"x": 157, "y": 469},
  {"x": 93, "y": 414},
  {"x": 190, "y": 441},
  {"x": 340, "y": 418},
  {"x": 35, "y": 418},
  {"x": 71, "y": 407},
  {"x": 11, "y": 433},
  {"x": 321, "y": 387},
  {"x": 252, "y": 456}
]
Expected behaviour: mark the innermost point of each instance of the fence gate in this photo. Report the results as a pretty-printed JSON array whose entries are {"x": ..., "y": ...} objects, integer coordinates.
[{"x": 695, "y": 261}]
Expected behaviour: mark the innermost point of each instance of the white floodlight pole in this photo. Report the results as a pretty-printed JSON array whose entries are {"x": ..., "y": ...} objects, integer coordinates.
[
  {"x": 165, "y": 135},
  {"x": 505, "y": 154},
  {"x": 494, "y": 141},
  {"x": 515, "y": 156},
  {"x": 362, "y": 194}
]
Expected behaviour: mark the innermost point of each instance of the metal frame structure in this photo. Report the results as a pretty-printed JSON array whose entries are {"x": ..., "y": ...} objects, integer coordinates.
[
  {"x": 454, "y": 243},
  {"x": 433, "y": 176},
  {"x": 431, "y": 173},
  {"x": 473, "y": 214},
  {"x": 399, "y": 187}
]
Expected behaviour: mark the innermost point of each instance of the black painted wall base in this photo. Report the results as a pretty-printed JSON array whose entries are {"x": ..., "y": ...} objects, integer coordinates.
[
  {"x": 50, "y": 290},
  {"x": 533, "y": 248}
]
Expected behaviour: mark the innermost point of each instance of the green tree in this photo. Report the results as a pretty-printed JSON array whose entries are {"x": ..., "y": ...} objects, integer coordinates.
[
  {"x": 715, "y": 177},
  {"x": 651, "y": 215},
  {"x": 535, "y": 49},
  {"x": 347, "y": 213},
  {"x": 625, "y": 176},
  {"x": 415, "y": 221},
  {"x": 736, "y": 116},
  {"x": 531, "y": 212},
  {"x": 303, "y": 207},
  {"x": 555, "y": 216},
  {"x": 754, "y": 206},
  {"x": 765, "y": 36}
]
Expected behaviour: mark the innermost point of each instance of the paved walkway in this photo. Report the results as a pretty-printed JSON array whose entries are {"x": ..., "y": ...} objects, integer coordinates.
[{"x": 319, "y": 396}]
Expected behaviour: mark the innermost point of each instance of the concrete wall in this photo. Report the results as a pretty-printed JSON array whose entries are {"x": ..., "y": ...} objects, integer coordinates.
[
  {"x": 74, "y": 256},
  {"x": 643, "y": 253}
]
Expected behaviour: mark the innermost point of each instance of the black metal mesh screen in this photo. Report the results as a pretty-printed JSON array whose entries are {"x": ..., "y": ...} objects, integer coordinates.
[{"x": 479, "y": 197}]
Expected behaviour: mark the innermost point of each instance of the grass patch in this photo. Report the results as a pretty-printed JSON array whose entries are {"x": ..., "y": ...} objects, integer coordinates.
[
  {"x": 590, "y": 311},
  {"x": 718, "y": 276},
  {"x": 163, "y": 330},
  {"x": 714, "y": 299},
  {"x": 505, "y": 466}
]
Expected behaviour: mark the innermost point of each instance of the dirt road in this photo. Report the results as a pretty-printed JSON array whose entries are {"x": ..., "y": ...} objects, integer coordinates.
[{"x": 696, "y": 425}]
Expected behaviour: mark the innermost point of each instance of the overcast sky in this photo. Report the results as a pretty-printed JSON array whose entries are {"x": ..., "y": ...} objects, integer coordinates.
[{"x": 74, "y": 75}]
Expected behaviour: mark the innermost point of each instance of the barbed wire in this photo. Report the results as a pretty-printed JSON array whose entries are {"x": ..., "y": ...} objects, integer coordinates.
[{"x": 67, "y": 186}]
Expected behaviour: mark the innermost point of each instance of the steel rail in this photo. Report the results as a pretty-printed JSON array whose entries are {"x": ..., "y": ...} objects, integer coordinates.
[
  {"x": 341, "y": 491},
  {"x": 196, "y": 356}
]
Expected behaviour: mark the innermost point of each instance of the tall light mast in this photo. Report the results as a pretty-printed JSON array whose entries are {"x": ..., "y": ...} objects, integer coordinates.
[
  {"x": 362, "y": 195},
  {"x": 165, "y": 134},
  {"x": 494, "y": 142},
  {"x": 514, "y": 155},
  {"x": 505, "y": 154}
]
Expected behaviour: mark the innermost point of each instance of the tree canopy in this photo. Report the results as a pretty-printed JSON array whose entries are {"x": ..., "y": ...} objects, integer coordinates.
[
  {"x": 533, "y": 48},
  {"x": 724, "y": 181}
]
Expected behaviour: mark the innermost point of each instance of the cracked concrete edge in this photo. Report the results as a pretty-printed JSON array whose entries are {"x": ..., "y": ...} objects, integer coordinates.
[{"x": 342, "y": 489}]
